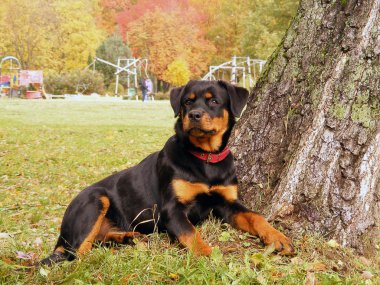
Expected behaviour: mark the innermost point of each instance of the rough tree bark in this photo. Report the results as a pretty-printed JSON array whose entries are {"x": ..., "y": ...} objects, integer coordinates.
[{"x": 308, "y": 145}]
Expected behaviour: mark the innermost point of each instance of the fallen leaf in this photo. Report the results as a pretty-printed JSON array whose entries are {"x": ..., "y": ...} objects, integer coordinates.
[
  {"x": 269, "y": 249},
  {"x": 37, "y": 241},
  {"x": 127, "y": 278},
  {"x": 257, "y": 259},
  {"x": 261, "y": 279},
  {"x": 319, "y": 266},
  {"x": 367, "y": 275},
  {"x": 277, "y": 275},
  {"x": 5, "y": 235},
  {"x": 333, "y": 243},
  {"x": 242, "y": 237},
  {"x": 44, "y": 272},
  {"x": 225, "y": 236},
  {"x": 6, "y": 260},
  {"x": 230, "y": 249},
  {"x": 25, "y": 256},
  {"x": 296, "y": 260},
  {"x": 365, "y": 261},
  {"x": 173, "y": 276},
  {"x": 310, "y": 279}
]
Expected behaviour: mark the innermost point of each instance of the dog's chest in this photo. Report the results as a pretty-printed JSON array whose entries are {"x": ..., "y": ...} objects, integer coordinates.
[{"x": 186, "y": 191}]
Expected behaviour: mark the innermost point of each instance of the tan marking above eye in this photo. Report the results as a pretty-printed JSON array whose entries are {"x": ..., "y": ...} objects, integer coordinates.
[
  {"x": 191, "y": 96},
  {"x": 208, "y": 95},
  {"x": 186, "y": 191}
]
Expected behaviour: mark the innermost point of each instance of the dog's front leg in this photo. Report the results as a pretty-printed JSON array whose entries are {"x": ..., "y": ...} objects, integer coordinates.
[
  {"x": 243, "y": 219},
  {"x": 179, "y": 225}
]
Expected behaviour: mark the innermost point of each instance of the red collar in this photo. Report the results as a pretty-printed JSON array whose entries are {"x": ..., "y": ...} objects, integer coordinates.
[{"x": 211, "y": 157}]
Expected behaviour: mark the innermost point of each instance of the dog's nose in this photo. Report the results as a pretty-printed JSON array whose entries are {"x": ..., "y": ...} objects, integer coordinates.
[{"x": 195, "y": 115}]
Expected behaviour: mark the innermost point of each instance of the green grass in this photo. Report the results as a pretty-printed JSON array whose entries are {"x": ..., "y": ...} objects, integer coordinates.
[{"x": 50, "y": 150}]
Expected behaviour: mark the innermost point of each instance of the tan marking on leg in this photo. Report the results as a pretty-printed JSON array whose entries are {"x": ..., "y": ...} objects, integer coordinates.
[
  {"x": 186, "y": 191},
  {"x": 228, "y": 192},
  {"x": 106, "y": 226},
  {"x": 257, "y": 225},
  {"x": 120, "y": 236},
  {"x": 88, "y": 241},
  {"x": 195, "y": 243},
  {"x": 59, "y": 249}
]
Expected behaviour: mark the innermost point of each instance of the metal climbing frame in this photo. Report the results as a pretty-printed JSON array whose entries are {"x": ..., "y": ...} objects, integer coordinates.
[
  {"x": 243, "y": 67},
  {"x": 132, "y": 66}
]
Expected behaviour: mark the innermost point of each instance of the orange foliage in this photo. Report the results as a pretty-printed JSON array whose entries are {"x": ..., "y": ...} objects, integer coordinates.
[
  {"x": 133, "y": 13},
  {"x": 167, "y": 34},
  {"x": 109, "y": 10}
]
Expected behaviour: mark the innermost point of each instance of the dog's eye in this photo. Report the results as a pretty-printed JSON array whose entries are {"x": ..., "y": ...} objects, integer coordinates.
[
  {"x": 213, "y": 102},
  {"x": 188, "y": 102}
]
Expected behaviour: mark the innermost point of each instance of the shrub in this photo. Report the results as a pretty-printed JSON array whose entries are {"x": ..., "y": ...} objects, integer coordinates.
[
  {"x": 77, "y": 81},
  {"x": 111, "y": 89},
  {"x": 162, "y": 96}
]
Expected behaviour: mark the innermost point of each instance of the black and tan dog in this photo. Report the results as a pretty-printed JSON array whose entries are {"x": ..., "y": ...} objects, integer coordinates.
[{"x": 175, "y": 188}]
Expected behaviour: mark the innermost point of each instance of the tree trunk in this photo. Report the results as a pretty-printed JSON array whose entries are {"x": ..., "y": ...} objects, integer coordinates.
[{"x": 308, "y": 145}]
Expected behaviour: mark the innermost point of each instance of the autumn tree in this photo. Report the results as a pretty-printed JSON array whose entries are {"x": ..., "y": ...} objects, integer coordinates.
[
  {"x": 109, "y": 12},
  {"x": 162, "y": 36},
  {"x": 264, "y": 26},
  {"x": 246, "y": 28},
  {"x": 57, "y": 35},
  {"x": 111, "y": 49},
  {"x": 308, "y": 146},
  {"x": 223, "y": 25},
  {"x": 78, "y": 35},
  {"x": 26, "y": 26},
  {"x": 178, "y": 73}
]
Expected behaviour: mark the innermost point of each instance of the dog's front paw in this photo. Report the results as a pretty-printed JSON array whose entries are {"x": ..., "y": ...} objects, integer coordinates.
[
  {"x": 202, "y": 250},
  {"x": 196, "y": 244},
  {"x": 282, "y": 243}
]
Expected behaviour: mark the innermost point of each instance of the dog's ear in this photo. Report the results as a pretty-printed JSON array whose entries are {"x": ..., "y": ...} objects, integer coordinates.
[
  {"x": 238, "y": 97},
  {"x": 175, "y": 99}
]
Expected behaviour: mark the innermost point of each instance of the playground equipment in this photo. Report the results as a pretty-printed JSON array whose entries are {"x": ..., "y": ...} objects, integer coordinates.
[
  {"x": 243, "y": 68},
  {"x": 132, "y": 66},
  {"x": 9, "y": 81},
  {"x": 33, "y": 81}
]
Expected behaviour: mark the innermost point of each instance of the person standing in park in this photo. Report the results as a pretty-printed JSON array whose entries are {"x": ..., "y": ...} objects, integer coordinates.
[
  {"x": 149, "y": 86},
  {"x": 144, "y": 89}
]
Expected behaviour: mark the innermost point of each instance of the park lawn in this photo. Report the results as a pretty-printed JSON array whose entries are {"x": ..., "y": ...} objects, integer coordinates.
[{"x": 50, "y": 150}]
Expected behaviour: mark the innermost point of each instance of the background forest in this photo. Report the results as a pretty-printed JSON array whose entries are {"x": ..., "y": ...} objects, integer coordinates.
[{"x": 180, "y": 38}]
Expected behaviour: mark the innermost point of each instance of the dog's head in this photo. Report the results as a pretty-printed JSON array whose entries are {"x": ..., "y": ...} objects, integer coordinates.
[{"x": 207, "y": 111}]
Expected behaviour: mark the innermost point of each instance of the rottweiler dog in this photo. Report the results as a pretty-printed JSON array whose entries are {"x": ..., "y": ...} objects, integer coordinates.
[{"x": 173, "y": 189}]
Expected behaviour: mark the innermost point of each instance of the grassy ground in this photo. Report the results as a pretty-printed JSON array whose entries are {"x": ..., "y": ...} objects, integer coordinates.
[{"x": 50, "y": 150}]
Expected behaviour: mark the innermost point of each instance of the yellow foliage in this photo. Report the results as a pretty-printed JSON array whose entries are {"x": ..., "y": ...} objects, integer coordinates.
[
  {"x": 49, "y": 35},
  {"x": 178, "y": 73}
]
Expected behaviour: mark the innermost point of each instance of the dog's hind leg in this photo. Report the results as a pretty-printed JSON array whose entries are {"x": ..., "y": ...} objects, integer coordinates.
[
  {"x": 81, "y": 224},
  {"x": 121, "y": 237},
  {"x": 86, "y": 244}
]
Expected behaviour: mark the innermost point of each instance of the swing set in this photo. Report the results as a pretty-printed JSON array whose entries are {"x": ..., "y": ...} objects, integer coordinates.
[
  {"x": 132, "y": 67},
  {"x": 243, "y": 70}
]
